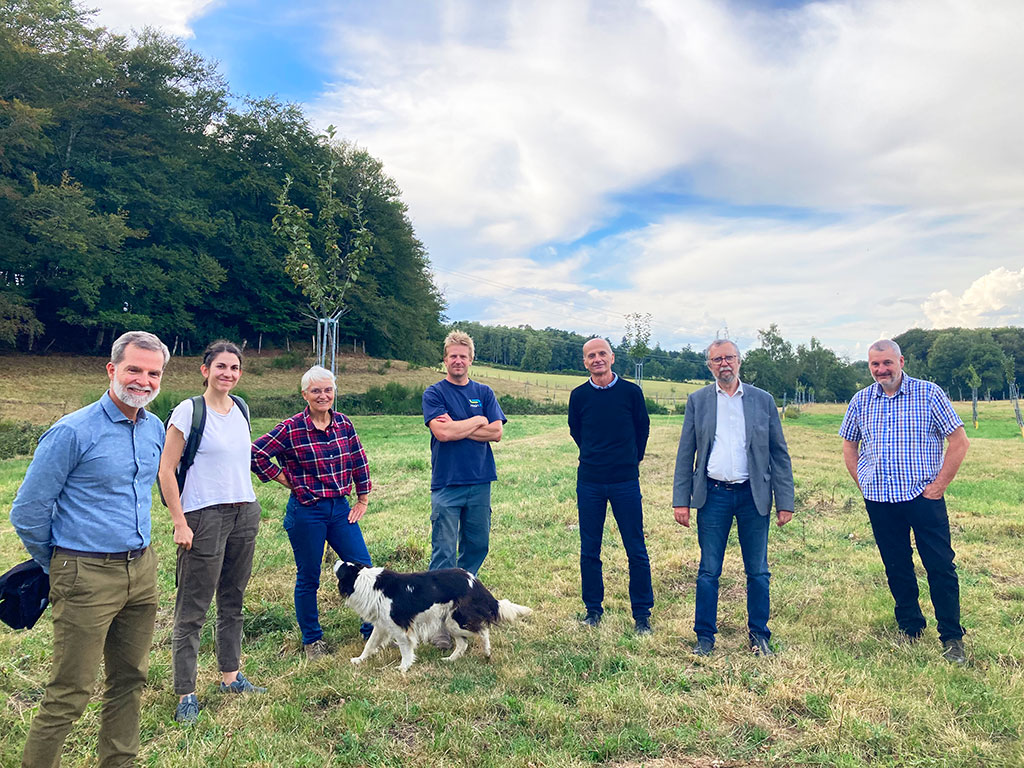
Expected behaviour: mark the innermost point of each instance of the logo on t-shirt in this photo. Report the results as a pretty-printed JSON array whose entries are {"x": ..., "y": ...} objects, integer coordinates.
[{"x": 474, "y": 402}]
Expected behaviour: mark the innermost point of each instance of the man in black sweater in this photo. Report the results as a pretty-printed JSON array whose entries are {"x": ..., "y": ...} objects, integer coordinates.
[{"x": 609, "y": 422}]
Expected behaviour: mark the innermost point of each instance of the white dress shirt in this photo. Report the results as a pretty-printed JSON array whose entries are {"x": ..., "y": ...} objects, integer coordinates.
[{"x": 728, "y": 459}]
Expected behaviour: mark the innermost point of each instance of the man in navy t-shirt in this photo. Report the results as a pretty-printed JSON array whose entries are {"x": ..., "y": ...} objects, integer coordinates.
[{"x": 464, "y": 419}]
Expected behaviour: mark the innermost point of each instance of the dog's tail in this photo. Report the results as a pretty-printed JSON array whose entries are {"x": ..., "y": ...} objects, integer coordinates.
[{"x": 509, "y": 611}]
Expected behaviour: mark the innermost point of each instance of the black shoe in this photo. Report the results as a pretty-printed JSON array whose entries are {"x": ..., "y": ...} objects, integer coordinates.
[
  {"x": 705, "y": 646},
  {"x": 759, "y": 646},
  {"x": 953, "y": 651},
  {"x": 592, "y": 619},
  {"x": 643, "y": 626}
]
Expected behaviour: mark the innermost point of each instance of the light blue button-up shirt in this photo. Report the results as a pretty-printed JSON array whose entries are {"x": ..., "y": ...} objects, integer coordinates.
[{"x": 89, "y": 486}]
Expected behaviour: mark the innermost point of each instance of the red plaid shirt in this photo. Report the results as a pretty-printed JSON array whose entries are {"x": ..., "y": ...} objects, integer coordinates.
[{"x": 319, "y": 464}]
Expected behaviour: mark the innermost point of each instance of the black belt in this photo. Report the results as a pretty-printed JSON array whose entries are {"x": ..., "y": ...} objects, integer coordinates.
[
  {"x": 727, "y": 486},
  {"x": 133, "y": 554}
]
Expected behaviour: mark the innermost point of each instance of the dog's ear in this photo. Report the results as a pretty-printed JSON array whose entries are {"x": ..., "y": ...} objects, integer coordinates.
[{"x": 337, "y": 566}]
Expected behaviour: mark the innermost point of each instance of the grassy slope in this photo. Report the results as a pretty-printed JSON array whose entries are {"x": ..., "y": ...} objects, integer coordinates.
[
  {"x": 841, "y": 693},
  {"x": 27, "y": 390}
]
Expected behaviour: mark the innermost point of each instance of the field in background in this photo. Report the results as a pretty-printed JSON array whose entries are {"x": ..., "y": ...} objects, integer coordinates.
[
  {"x": 843, "y": 692},
  {"x": 41, "y": 389}
]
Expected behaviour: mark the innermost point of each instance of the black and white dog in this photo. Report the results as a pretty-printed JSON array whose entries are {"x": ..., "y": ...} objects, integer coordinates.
[{"x": 410, "y": 608}]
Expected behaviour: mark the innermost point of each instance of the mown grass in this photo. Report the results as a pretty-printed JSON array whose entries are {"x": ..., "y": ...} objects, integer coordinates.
[{"x": 842, "y": 692}]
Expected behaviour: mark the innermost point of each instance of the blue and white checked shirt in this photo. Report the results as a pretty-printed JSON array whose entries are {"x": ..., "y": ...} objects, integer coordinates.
[{"x": 900, "y": 437}]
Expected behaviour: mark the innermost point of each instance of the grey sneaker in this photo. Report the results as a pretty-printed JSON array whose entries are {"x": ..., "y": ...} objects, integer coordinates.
[
  {"x": 953, "y": 651},
  {"x": 187, "y": 711},
  {"x": 316, "y": 649},
  {"x": 759, "y": 646},
  {"x": 704, "y": 647},
  {"x": 592, "y": 619},
  {"x": 241, "y": 684},
  {"x": 643, "y": 626}
]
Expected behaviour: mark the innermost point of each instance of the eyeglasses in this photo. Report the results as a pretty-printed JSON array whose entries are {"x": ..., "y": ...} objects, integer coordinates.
[
  {"x": 325, "y": 391},
  {"x": 723, "y": 359}
]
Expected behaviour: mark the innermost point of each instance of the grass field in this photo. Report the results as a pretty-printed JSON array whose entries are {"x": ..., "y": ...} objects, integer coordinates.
[
  {"x": 841, "y": 693},
  {"x": 28, "y": 391}
]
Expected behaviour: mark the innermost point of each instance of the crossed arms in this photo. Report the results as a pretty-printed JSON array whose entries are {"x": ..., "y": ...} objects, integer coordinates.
[{"x": 446, "y": 429}]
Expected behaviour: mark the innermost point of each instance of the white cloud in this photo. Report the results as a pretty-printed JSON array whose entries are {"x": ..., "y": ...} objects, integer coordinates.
[
  {"x": 171, "y": 16},
  {"x": 994, "y": 299},
  {"x": 519, "y": 125}
]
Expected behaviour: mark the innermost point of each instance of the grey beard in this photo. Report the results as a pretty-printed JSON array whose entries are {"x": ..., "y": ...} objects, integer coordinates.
[{"x": 133, "y": 401}]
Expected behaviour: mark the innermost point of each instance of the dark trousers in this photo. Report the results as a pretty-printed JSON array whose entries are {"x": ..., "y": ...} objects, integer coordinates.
[
  {"x": 592, "y": 500},
  {"x": 308, "y": 529},
  {"x": 927, "y": 518},
  {"x": 102, "y": 609},
  {"x": 714, "y": 521},
  {"x": 220, "y": 561}
]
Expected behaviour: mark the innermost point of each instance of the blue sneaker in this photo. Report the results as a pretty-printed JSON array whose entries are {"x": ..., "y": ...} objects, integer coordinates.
[
  {"x": 241, "y": 685},
  {"x": 187, "y": 711}
]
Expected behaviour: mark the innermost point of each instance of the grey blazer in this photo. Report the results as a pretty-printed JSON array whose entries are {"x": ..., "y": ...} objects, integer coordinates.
[{"x": 771, "y": 472}]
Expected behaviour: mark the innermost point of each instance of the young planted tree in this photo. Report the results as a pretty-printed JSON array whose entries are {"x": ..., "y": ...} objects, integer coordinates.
[
  {"x": 324, "y": 254},
  {"x": 637, "y": 341},
  {"x": 973, "y": 381}
]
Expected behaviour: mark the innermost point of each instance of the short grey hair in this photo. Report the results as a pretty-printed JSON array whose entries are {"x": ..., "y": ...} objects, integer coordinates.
[
  {"x": 886, "y": 345},
  {"x": 718, "y": 343},
  {"x": 317, "y": 373},
  {"x": 140, "y": 339}
]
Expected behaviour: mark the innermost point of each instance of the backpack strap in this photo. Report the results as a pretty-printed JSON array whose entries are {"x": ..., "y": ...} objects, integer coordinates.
[
  {"x": 195, "y": 435},
  {"x": 244, "y": 408}
]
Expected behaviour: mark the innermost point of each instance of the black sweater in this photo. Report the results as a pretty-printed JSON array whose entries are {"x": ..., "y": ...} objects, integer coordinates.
[{"x": 610, "y": 426}]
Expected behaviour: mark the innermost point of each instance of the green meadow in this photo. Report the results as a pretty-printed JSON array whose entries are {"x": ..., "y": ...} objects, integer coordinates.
[{"x": 842, "y": 691}]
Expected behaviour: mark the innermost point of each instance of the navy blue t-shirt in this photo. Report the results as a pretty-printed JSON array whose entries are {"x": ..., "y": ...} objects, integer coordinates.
[{"x": 460, "y": 462}]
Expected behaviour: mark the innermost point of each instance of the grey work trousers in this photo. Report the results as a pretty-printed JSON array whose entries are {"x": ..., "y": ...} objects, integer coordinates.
[{"x": 220, "y": 561}]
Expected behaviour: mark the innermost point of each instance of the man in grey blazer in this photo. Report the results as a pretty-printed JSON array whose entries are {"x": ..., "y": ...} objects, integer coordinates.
[{"x": 732, "y": 460}]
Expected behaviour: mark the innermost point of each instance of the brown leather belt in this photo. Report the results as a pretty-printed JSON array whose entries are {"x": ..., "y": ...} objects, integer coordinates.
[{"x": 134, "y": 554}]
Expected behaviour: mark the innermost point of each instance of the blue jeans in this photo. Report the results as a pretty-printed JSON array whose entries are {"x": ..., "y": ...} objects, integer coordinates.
[
  {"x": 714, "y": 521},
  {"x": 592, "y": 500},
  {"x": 460, "y": 522},
  {"x": 308, "y": 529}
]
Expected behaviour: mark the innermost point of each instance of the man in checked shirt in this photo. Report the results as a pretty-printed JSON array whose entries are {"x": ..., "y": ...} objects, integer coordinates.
[{"x": 892, "y": 445}]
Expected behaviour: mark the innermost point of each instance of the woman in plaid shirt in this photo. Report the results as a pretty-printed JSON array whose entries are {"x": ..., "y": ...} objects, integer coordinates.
[{"x": 319, "y": 456}]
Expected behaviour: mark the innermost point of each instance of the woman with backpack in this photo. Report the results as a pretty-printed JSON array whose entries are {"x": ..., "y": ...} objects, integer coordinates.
[{"x": 205, "y": 482}]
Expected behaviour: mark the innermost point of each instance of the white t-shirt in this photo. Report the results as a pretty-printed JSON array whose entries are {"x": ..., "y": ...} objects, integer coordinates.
[{"x": 220, "y": 474}]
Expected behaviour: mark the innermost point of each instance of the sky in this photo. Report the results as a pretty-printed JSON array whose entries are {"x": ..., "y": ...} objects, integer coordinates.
[{"x": 844, "y": 169}]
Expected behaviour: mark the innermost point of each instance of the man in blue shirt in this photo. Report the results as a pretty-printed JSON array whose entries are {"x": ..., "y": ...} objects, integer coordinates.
[
  {"x": 464, "y": 419},
  {"x": 892, "y": 445},
  {"x": 83, "y": 513}
]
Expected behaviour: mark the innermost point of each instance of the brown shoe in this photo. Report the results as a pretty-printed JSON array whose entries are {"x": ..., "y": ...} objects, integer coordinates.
[
  {"x": 953, "y": 651},
  {"x": 442, "y": 640},
  {"x": 316, "y": 649}
]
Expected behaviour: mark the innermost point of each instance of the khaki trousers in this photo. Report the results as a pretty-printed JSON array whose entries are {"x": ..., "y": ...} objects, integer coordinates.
[{"x": 101, "y": 609}]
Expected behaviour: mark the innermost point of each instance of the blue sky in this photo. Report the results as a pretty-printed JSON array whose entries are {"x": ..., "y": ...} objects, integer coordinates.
[{"x": 847, "y": 170}]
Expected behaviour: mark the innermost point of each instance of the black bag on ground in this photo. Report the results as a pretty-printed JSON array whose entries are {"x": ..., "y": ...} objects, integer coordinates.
[{"x": 24, "y": 595}]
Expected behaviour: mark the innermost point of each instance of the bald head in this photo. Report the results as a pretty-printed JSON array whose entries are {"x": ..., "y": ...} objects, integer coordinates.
[{"x": 597, "y": 359}]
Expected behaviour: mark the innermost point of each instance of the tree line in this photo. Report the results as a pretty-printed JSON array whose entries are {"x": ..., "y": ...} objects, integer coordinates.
[
  {"x": 956, "y": 359},
  {"x": 133, "y": 196},
  {"x": 552, "y": 349}
]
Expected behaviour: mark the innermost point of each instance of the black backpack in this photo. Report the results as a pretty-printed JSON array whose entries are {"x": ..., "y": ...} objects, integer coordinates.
[{"x": 195, "y": 435}]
